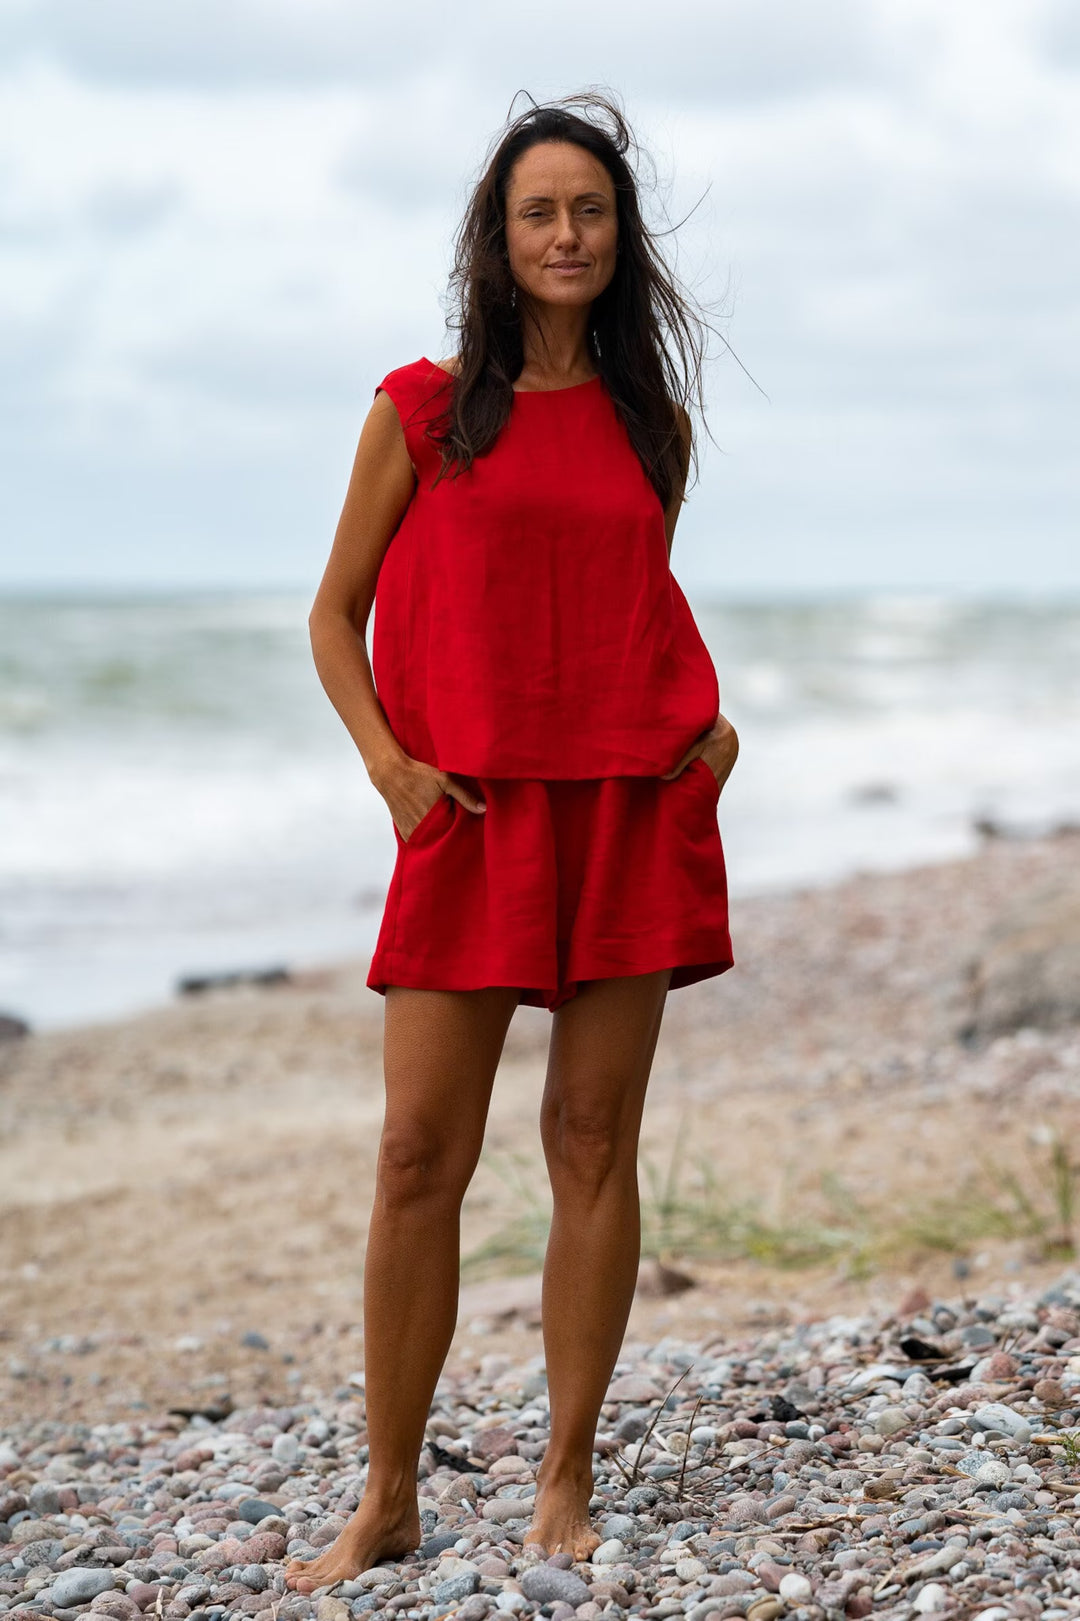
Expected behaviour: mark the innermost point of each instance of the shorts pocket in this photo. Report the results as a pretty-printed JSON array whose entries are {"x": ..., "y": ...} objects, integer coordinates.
[
  {"x": 705, "y": 769},
  {"x": 429, "y": 820}
]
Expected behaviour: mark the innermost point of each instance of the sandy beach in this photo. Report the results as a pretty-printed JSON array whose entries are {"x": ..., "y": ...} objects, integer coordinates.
[
  {"x": 851, "y": 1380},
  {"x": 184, "y": 1193}
]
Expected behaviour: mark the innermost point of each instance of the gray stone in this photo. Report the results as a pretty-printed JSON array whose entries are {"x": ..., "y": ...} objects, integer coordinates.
[
  {"x": 544, "y": 1584},
  {"x": 79, "y": 1585},
  {"x": 285, "y": 1449},
  {"x": 1026, "y": 970},
  {"x": 43, "y": 1554},
  {"x": 44, "y": 1498},
  {"x": 995, "y": 1415},
  {"x": 455, "y": 1588},
  {"x": 434, "y": 1546},
  {"x": 253, "y": 1576},
  {"x": 640, "y": 1498},
  {"x": 621, "y": 1526},
  {"x": 890, "y": 1421},
  {"x": 255, "y": 1509}
]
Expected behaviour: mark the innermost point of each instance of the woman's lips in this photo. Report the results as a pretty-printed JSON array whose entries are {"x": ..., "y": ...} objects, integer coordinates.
[{"x": 568, "y": 269}]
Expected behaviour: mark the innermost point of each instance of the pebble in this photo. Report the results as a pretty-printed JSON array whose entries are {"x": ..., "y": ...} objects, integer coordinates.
[
  {"x": 930, "y": 1494},
  {"x": 546, "y": 1584},
  {"x": 79, "y": 1586}
]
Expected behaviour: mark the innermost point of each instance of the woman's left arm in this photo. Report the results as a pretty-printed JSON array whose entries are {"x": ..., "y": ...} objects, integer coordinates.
[{"x": 719, "y": 748}]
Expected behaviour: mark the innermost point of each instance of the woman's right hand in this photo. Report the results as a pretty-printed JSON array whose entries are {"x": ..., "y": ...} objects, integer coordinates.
[{"x": 411, "y": 788}]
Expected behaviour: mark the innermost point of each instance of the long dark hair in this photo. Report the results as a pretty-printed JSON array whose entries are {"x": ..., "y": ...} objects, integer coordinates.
[{"x": 646, "y": 337}]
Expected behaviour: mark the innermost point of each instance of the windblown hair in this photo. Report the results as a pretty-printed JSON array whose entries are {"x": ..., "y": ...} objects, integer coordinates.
[{"x": 645, "y": 336}]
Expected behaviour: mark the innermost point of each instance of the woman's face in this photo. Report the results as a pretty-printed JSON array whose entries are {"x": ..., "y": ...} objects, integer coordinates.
[{"x": 561, "y": 224}]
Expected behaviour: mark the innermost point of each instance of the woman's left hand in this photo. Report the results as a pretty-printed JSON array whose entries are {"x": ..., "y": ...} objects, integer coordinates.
[{"x": 719, "y": 748}]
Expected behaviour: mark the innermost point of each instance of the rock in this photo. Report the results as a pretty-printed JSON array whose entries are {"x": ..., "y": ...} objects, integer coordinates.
[
  {"x": 254, "y": 1509},
  {"x": 79, "y": 1585},
  {"x": 543, "y": 1584},
  {"x": 930, "y": 1598},
  {"x": 633, "y": 1425},
  {"x": 603, "y": 1590},
  {"x": 254, "y": 1341},
  {"x": 43, "y": 1553},
  {"x": 796, "y": 1588},
  {"x": 118, "y": 1606},
  {"x": 1051, "y": 1392},
  {"x": 329, "y": 1608},
  {"x": 633, "y": 1387},
  {"x": 143, "y": 1594},
  {"x": 254, "y": 1577},
  {"x": 732, "y": 1582},
  {"x": 996, "y": 1416},
  {"x": 12, "y": 1028},
  {"x": 494, "y": 1443},
  {"x": 611, "y": 1552},
  {"x": 770, "y": 1576},
  {"x": 502, "y": 1299},
  {"x": 44, "y": 1497},
  {"x": 655, "y": 1280},
  {"x": 286, "y": 1449},
  {"x": 1026, "y": 970},
  {"x": 454, "y": 1588},
  {"x": 890, "y": 1421},
  {"x": 687, "y": 1570},
  {"x": 745, "y": 1510},
  {"x": 434, "y": 1546},
  {"x": 263, "y": 1548},
  {"x": 501, "y": 1509},
  {"x": 935, "y": 1563},
  {"x": 620, "y": 1526}
]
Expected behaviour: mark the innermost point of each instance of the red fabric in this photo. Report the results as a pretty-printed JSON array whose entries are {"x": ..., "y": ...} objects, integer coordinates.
[
  {"x": 527, "y": 623},
  {"x": 557, "y": 883}
]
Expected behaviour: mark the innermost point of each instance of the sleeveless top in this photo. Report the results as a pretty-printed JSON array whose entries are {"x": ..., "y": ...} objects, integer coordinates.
[{"x": 527, "y": 623}]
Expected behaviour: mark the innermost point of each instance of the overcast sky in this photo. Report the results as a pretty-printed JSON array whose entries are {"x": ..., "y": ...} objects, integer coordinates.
[{"x": 223, "y": 222}]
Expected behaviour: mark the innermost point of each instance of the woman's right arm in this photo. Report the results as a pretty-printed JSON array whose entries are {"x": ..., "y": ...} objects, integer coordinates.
[{"x": 380, "y": 489}]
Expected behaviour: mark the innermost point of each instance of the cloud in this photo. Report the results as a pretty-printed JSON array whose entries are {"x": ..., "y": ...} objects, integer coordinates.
[
  {"x": 728, "y": 49},
  {"x": 222, "y": 227}
]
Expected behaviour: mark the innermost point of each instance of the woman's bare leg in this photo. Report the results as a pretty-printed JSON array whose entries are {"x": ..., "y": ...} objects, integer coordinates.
[
  {"x": 601, "y": 1054},
  {"x": 441, "y": 1051}
]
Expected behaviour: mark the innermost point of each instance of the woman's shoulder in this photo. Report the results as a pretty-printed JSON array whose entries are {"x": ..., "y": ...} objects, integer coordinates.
[{"x": 422, "y": 371}]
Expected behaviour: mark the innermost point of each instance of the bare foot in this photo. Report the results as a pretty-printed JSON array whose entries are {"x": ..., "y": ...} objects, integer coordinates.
[
  {"x": 560, "y": 1522},
  {"x": 371, "y": 1534}
]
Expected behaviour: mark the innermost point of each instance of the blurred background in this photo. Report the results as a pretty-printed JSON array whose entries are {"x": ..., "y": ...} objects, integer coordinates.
[{"x": 223, "y": 223}]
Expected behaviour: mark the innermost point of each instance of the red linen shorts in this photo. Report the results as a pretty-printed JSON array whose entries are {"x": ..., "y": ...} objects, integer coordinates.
[{"x": 556, "y": 883}]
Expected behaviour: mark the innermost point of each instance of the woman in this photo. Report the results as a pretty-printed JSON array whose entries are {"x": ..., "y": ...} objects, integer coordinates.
[{"x": 547, "y": 739}]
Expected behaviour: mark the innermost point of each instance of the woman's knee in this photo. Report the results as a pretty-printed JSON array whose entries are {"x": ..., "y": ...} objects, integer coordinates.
[
  {"x": 586, "y": 1142},
  {"x": 421, "y": 1165}
]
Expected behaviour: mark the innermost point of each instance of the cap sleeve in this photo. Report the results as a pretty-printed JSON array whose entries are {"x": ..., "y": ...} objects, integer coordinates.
[{"x": 421, "y": 394}]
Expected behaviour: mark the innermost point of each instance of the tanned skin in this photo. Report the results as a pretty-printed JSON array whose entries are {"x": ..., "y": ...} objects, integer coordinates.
[{"x": 442, "y": 1048}]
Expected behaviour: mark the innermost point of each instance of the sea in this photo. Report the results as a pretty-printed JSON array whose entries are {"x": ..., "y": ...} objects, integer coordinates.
[{"x": 178, "y": 797}]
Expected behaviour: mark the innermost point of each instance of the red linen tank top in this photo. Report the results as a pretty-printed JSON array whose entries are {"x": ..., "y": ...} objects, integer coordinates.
[{"x": 527, "y": 623}]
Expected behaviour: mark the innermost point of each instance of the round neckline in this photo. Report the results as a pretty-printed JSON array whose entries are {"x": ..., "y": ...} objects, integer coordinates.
[{"x": 527, "y": 392}]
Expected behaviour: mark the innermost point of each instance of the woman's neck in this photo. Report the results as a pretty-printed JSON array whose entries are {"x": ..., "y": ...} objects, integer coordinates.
[{"x": 556, "y": 345}]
